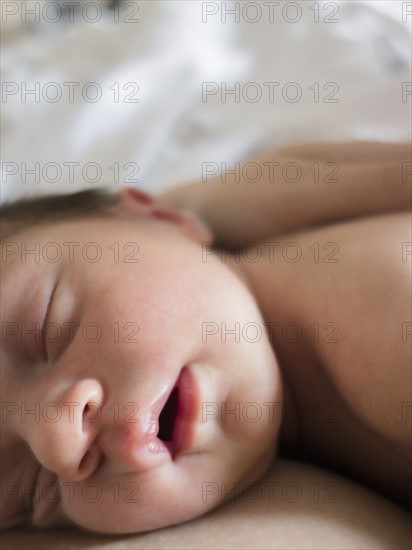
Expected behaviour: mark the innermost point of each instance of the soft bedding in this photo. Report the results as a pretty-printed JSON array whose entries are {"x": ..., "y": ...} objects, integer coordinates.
[{"x": 179, "y": 84}]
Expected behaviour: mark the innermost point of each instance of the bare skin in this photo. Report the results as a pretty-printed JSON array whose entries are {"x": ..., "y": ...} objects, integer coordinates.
[
  {"x": 309, "y": 508},
  {"x": 346, "y": 374},
  {"x": 349, "y": 385},
  {"x": 332, "y": 282}
]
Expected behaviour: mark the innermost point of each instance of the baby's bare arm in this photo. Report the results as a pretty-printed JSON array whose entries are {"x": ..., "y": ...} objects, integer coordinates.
[
  {"x": 349, "y": 151},
  {"x": 300, "y": 187}
]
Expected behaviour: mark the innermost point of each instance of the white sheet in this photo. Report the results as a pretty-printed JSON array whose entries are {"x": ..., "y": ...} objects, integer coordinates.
[{"x": 169, "y": 54}]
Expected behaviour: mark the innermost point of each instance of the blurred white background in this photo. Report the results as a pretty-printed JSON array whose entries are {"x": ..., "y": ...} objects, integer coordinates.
[{"x": 133, "y": 93}]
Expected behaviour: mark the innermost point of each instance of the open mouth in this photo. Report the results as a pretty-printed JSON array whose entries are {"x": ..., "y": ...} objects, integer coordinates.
[
  {"x": 168, "y": 415},
  {"x": 177, "y": 417}
]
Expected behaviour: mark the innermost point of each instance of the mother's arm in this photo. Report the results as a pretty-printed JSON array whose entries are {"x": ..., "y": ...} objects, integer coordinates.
[
  {"x": 295, "y": 506},
  {"x": 300, "y": 187}
]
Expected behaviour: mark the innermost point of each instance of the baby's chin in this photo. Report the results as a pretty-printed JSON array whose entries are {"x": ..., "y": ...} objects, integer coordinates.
[
  {"x": 123, "y": 522},
  {"x": 120, "y": 524}
]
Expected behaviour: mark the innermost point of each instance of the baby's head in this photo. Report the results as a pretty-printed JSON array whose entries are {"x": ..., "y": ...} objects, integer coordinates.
[{"x": 127, "y": 403}]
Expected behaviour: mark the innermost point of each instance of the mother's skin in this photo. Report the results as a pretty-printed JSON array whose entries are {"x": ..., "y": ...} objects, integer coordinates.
[{"x": 295, "y": 506}]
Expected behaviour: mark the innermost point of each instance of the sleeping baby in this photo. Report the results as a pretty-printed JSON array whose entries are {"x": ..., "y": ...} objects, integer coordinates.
[{"x": 157, "y": 354}]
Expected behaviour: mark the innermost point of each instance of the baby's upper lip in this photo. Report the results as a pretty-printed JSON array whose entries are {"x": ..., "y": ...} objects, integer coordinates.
[{"x": 188, "y": 411}]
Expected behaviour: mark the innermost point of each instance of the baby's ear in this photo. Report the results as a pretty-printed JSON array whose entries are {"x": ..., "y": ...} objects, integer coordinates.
[{"x": 133, "y": 201}]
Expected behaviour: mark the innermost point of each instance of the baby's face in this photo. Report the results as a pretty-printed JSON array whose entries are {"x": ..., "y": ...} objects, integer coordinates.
[{"x": 138, "y": 409}]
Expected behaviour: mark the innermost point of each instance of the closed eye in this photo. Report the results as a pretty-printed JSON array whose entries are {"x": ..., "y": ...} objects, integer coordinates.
[{"x": 46, "y": 322}]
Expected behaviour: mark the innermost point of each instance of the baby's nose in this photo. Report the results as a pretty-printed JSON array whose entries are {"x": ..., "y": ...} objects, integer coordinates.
[
  {"x": 66, "y": 443},
  {"x": 91, "y": 431}
]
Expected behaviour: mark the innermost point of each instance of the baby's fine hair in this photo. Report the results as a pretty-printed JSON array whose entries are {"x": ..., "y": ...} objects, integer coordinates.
[{"x": 23, "y": 214}]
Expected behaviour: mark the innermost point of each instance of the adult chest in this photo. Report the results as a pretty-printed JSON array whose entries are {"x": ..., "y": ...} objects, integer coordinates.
[{"x": 336, "y": 328}]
